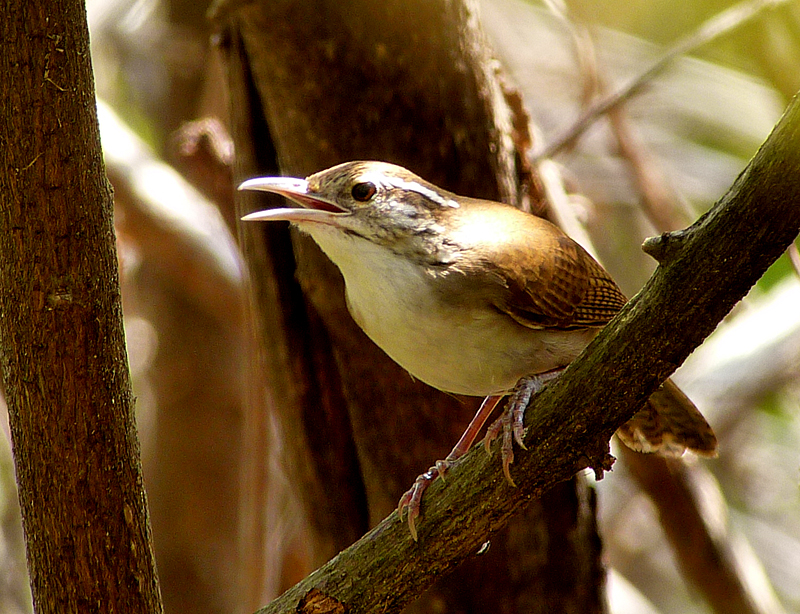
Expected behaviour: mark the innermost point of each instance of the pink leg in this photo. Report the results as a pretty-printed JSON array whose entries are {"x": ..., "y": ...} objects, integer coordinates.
[
  {"x": 412, "y": 499},
  {"x": 474, "y": 427}
]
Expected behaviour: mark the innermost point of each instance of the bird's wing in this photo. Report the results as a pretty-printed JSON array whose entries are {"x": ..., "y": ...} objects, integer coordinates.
[
  {"x": 568, "y": 290},
  {"x": 546, "y": 279}
]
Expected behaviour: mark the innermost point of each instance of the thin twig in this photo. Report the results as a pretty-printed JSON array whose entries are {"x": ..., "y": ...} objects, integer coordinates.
[
  {"x": 663, "y": 205},
  {"x": 718, "y": 25},
  {"x": 660, "y": 203}
]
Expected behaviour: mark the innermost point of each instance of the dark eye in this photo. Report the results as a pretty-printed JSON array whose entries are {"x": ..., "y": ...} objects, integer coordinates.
[{"x": 362, "y": 192}]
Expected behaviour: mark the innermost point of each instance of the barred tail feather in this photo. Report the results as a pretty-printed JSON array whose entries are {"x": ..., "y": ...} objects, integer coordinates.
[{"x": 669, "y": 424}]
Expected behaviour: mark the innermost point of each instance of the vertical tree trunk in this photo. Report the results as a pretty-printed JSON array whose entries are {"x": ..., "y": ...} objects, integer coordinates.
[
  {"x": 410, "y": 82},
  {"x": 63, "y": 348}
]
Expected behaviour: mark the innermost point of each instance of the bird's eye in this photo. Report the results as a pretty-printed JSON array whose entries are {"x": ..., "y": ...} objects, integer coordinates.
[{"x": 362, "y": 192}]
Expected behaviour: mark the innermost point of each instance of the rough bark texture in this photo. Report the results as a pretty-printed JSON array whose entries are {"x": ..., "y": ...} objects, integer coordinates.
[
  {"x": 705, "y": 270},
  {"x": 63, "y": 348},
  {"x": 314, "y": 84}
]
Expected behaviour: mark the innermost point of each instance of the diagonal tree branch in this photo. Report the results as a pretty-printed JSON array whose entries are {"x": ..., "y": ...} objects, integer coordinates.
[{"x": 705, "y": 270}]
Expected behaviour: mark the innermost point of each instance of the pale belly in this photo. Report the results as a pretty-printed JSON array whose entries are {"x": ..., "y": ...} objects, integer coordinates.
[
  {"x": 462, "y": 349},
  {"x": 481, "y": 354}
]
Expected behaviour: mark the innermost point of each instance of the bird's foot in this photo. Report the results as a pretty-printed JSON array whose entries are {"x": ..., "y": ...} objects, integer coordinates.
[
  {"x": 510, "y": 423},
  {"x": 411, "y": 501}
]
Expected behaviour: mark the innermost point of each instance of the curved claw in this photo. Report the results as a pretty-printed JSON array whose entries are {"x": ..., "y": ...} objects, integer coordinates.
[
  {"x": 509, "y": 431},
  {"x": 516, "y": 409},
  {"x": 491, "y": 434},
  {"x": 442, "y": 467},
  {"x": 507, "y": 470},
  {"x": 404, "y": 501},
  {"x": 507, "y": 447},
  {"x": 411, "y": 500},
  {"x": 518, "y": 428}
]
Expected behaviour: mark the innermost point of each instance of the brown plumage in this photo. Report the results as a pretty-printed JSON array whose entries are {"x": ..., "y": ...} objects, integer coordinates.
[{"x": 579, "y": 293}]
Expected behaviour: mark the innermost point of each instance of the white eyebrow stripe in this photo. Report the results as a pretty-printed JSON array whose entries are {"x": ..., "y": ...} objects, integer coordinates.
[
  {"x": 402, "y": 184},
  {"x": 431, "y": 195}
]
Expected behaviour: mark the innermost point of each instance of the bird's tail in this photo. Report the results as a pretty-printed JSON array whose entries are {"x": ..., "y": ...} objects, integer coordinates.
[{"x": 669, "y": 424}]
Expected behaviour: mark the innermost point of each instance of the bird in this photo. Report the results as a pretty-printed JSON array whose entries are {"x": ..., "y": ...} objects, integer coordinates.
[{"x": 470, "y": 296}]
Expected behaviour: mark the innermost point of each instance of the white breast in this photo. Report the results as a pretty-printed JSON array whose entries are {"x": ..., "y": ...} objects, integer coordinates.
[{"x": 462, "y": 349}]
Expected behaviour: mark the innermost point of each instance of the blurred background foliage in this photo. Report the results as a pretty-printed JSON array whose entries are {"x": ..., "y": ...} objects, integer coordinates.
[
  {"x": 693, "y": 128},
  {"x": 766, "y": 47}
]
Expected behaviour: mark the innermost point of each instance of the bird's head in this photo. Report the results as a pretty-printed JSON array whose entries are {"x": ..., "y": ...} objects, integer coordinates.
[{"x": 382, "y": 203}]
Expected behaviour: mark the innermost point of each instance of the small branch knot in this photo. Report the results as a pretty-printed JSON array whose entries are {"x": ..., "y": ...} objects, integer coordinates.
[
  {"x": 599, "y": 461},
  {"x": 666, "y": 246},
  {"x": 600, "y": 466}
]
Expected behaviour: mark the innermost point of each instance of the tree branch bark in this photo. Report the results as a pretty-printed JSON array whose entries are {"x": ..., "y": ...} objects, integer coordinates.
[
  {"x": 71, "y": 409},
  {"x": 705, "y": 270}
]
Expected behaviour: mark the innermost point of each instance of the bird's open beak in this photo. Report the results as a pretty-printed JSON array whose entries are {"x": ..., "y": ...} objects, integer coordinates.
[{"x": 314, "y": 208}]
